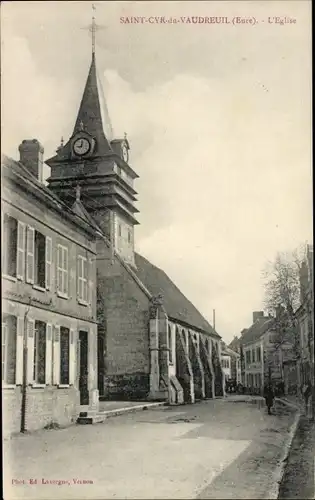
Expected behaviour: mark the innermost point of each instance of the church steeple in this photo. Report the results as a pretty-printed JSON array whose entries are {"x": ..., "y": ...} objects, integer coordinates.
[
  {"x": 93, "y": 116},
  {"x": 98, "y": 163}
]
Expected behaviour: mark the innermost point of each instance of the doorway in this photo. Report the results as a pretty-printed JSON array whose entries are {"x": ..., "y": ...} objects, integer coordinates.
[{"x": 84, "y": 373}]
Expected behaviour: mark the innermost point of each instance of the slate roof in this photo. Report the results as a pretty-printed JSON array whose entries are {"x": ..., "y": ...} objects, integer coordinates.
[
  {"x": 257, "y": 329},
  {"x": 178, "y": 307}
]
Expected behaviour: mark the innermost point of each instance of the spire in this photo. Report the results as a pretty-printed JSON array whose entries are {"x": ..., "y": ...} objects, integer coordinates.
[{"x": 93, "y": 116}]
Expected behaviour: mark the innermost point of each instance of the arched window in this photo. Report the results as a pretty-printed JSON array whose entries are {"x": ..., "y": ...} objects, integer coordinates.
[
  {"x": 170, "y": 344},
  {"x": 186, "y": 338}
]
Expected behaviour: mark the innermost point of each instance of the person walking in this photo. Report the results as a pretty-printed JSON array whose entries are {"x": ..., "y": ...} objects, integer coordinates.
[
  {"x": 269, "y": 397},
  {"x": 306, "y": 391}
]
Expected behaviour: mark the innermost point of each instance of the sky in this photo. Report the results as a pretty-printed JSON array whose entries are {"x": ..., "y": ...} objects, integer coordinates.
[{"x": 218, "y": 117}]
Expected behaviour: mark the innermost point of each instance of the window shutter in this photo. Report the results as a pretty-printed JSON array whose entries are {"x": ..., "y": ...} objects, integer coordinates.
[
  {"x": 79, "y": 280},
  {"x": 20, "y": 269},
  {"x": 56, "y": 356},
  {"x": 19, "y": 350},
  {"x": 48, "y": 360},
  {"x": 30, "y": 255},
  {"x": 65, "y": 271},
  {"x": 86, "y": 283},
  {"x": 30, "y": 350},
  {"x": 4, "y": 340},
  {"x": 78, "y": 351},
  {"x": 59, "y": 268},
  {"x": 2, "y": 239},
  {"x": 48, "y": 271},
  {"x": 72, "y": 361},
  {"x": 91, "y": 273}
]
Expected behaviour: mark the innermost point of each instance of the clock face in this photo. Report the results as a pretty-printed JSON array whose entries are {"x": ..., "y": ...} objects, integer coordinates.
[{"x": 81, "y": 146}]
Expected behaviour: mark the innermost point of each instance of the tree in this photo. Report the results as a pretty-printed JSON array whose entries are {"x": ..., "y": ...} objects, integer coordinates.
[
  {"x": 282, "y": 298},
  {"x": 282, "y": 282}
]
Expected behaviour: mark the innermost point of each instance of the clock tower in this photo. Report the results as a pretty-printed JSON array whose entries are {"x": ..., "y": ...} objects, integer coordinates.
[{"x": 99, "y": 164}]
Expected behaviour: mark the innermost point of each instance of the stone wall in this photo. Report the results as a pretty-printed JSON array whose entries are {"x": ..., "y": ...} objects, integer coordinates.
[
  {"x": 124, "y": 310},
  {"x": 44, "y": 406}
]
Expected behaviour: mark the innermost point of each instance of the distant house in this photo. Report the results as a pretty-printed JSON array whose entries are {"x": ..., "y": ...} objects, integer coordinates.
[
  {"x": 226, "y": 365},
  {"x": 264, "y": 353},
  {"x": 231, "y": 364},
  {"x": 305, "y": 321}
]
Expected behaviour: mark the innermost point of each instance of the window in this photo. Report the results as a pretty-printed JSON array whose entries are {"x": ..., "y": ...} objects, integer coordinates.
[
  {"x": 129, "y": 236},
  {"x": 258, "y": 354},
  {"x": 225, "y": 363},
  {"x": 64, "y": 355},
  {"x": 170, "y": 345},
  {"x": 62, "y": 271},
  {"x": 40, "y": 260},
  {"x": 119, "y": 229},
  {"x": 82, "y": 279},
  {"x": 253, "y": 356},
  {"x": 276, "y": 357},
  {"x": 247, "y": 357},
  {"x": 10, "y": 235},
  {"x": 39, "y": 367},
  {"x": 9, "y": 334}
]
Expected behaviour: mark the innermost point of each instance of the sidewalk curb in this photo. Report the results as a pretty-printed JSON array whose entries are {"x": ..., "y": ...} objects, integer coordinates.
[
  {"x": 102, "y": 416},
  {"x": 273, "y": 493},
  {"x": 131, "y": 409}
]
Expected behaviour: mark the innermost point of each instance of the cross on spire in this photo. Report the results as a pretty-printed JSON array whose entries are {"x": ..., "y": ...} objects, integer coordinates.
[{"x": 93, "y": 28}]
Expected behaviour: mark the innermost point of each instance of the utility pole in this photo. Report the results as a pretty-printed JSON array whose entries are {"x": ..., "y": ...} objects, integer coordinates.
[
  {"x": 24, "y": 383},
  {"x": 213, "y": 315}
]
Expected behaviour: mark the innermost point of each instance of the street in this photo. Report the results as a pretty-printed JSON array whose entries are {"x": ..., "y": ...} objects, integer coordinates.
[
  {"x": 299, "y": 477},
  {"x": 215, "y": 449}
]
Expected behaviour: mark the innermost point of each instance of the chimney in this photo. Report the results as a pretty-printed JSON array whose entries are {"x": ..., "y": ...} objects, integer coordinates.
[
  {"x": 31, "y": 156},
  {"x": 257, "y": 315}
]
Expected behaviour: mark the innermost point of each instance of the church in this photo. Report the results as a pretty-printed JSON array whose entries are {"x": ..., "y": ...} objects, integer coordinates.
[
  {"x": 153, "y": 344},
  {"x": 85, "y": 317}
]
